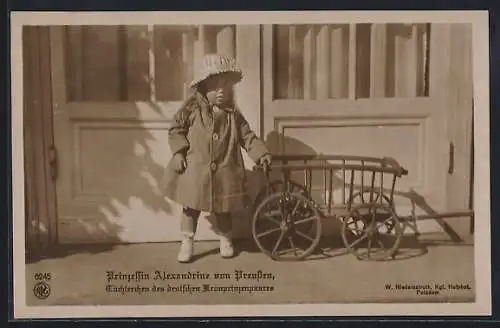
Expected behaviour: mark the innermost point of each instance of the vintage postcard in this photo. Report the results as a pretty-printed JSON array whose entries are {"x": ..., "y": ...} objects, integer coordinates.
[{"x": 200, "y": 164}]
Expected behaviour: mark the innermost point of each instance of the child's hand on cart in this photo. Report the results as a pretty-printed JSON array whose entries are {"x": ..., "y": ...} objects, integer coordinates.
[
  {"x": 263, "y": 163},
  {"x": 265, "y": 160}
]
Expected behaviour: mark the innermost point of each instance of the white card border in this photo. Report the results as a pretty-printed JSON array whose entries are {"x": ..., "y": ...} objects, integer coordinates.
[{"x": 482, "y": 253}]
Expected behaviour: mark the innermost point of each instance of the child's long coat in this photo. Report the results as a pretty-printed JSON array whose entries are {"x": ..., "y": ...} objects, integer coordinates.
[{"x": 214, "y": 180}]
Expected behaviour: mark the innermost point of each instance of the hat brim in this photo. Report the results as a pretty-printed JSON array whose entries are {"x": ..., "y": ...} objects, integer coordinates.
[{"x": 236, "y": 77}]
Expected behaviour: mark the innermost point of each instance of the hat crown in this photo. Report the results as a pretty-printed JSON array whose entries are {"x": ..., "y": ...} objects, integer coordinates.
[
  {"x": 216, "y": 61},
  {"x": 212, "y": 64}
]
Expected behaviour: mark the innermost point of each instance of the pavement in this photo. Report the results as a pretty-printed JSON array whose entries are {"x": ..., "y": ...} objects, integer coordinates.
[{"x": 431, "y": 269}]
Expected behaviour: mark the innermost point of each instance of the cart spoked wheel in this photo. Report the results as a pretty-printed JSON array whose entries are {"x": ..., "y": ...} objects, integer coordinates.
[
  {"x": 372, "y": 232},
  {"x": 287, "y": 226},
  {"x": 367, "y": 197}
]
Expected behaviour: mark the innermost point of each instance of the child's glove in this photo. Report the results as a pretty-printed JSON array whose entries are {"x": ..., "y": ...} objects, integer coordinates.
[
  {"x": 265, "y": 160},
  {"x": 180, "y": 163}
]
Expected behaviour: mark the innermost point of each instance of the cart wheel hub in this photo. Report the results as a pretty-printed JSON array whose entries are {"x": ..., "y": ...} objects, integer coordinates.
[{"x": 284, "y": 225}]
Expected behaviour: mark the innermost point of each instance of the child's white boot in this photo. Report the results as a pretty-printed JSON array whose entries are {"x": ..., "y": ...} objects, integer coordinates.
[
  {"x": 186, "y": 249},
  {"x": 226, "y": 246}
]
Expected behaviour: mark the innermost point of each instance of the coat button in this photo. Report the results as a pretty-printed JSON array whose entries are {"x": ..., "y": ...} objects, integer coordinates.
[
  {"x": 213, "y": 166},
  {"x": 215, "y": 136}
]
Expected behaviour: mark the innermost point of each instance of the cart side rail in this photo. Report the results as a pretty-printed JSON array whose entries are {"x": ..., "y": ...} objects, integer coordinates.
[
  {"x": 329, "y": 165},
  {"x": 338, "y": 162}
]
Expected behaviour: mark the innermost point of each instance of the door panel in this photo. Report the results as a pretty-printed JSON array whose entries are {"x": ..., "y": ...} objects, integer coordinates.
[
  {"x": 359, "y": 89},
  {"x": 115, "y": 90}
]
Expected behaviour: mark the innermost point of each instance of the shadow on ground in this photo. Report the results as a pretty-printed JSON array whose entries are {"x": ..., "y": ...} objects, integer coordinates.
[
  {"x": 330, "y": 246},
  {"x": 62, "y": 251},
  {"x": 411, "y": 246}
]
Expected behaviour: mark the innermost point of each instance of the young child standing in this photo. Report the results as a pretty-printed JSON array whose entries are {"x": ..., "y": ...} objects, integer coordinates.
[{"x": 206, "y": 172}]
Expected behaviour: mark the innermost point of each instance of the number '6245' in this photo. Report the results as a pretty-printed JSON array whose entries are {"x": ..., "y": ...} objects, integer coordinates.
[{"x": 42, "y": 276}]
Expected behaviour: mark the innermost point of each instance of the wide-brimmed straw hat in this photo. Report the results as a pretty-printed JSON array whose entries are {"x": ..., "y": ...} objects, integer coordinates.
[{"x": 213, "y": 64}]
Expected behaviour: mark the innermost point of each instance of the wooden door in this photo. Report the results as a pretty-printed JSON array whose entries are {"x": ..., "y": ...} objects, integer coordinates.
[
  {"x": 362, "y": 89},
  {"x": 115, "y": 89}
]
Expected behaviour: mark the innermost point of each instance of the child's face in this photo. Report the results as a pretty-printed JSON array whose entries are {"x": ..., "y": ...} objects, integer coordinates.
[{"x": 218, "y": 89}]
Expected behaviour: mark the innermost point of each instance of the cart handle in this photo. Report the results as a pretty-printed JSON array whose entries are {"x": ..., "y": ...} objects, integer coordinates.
[{"x": 392, "y": 162}]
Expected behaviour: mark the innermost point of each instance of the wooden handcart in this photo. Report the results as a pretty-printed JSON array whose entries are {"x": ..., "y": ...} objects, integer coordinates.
[{"x": 287, "y": 221}]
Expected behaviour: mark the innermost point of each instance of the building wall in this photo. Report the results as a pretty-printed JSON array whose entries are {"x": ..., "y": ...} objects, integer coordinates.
[{"x": 109, "y": 66}]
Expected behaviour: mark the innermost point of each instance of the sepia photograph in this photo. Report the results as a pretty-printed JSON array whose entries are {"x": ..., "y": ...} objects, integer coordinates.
[{"x": 250, "y": 164}]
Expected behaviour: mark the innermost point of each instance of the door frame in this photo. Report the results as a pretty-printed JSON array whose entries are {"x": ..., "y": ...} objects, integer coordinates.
[{"x": 40, "y": 199}]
